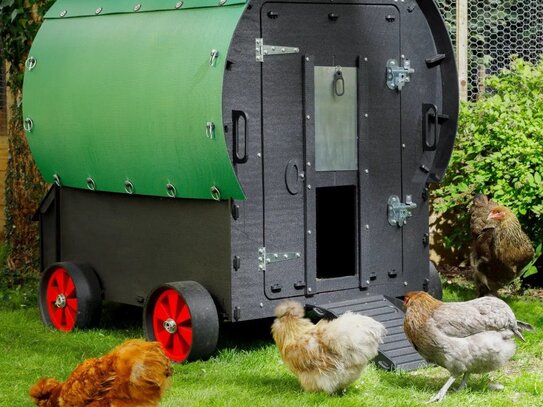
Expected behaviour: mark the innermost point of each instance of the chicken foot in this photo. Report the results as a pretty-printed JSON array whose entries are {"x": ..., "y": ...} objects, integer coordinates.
[
  {"x": 441, "y": 393},
  {"x": 464, "y": 382}
]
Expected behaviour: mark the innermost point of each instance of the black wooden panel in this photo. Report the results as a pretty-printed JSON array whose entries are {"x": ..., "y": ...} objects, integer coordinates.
[{"x": 135, "y": 243}]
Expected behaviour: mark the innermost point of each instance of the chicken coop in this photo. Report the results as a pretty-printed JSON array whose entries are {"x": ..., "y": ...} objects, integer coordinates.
[{"x": 209, "y": 159}]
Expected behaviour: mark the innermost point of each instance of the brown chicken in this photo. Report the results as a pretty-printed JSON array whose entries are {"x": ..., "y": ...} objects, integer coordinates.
[
  {"x": 500, "y": 249},
  {"x": 329, "y": 355},
  {"x": 135, "y": 373},
  {"x": 463, "y": 337}
]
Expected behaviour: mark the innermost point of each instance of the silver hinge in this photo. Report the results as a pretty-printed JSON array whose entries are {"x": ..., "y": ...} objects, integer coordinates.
[
  {"x": 398, "y": 74},
  {"x": 262, "y": 50},
  {"x": 398, "y": 212},
  {"x": 267, "y": 258}
]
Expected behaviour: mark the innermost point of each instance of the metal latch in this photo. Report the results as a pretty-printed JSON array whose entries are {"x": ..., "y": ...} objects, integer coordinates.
[
  {"x": 398, "y": 74},
  {"x": 398, "y": 212},
  {"x": 267, "y": 258},
  {"x": 262, "y": 50}
]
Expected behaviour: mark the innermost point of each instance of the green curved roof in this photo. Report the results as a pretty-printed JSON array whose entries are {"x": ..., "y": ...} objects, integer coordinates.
[{"x": 127, "y": 95}]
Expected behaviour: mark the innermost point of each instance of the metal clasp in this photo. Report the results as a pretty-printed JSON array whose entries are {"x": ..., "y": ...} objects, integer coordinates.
[
  {"x": 210, "y": 130},
  {"x": 213, "y": 57},
  {"x": 398, "y": 74},
  {"x": 398, "y": 212},
  {"x": 339, "y": 82}
]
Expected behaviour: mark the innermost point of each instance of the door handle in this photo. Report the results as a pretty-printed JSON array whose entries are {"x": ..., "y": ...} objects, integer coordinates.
[
  {"x": 239, "y": 140},
  {"x": 429, "y": 139}
]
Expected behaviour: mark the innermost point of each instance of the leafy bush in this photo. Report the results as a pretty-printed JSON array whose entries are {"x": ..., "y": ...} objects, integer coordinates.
[{"x": 498, "y": 152}]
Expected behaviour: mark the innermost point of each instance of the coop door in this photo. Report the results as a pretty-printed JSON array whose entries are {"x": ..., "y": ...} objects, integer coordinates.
[{"x": 331, "y": 147}]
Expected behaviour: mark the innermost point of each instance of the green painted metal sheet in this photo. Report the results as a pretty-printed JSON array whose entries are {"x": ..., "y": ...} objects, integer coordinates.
[
  {"x": 128, "y": 97},
  {"x": 79, "y": 8}
]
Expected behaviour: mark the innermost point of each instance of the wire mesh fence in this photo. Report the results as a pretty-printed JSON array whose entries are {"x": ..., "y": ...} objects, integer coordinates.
[{"x": 497, "y": 30}]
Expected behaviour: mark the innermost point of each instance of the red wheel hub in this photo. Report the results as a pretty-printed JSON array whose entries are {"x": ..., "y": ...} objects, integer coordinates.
[
  {"x": 172, "y": 324},
  {"x": 61, "y": 300}
]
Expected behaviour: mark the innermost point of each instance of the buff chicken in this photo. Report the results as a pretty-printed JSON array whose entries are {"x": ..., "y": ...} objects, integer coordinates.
[
  {"x": 500, "y": 249},
  {"x": 329, "y": 355},
  {"x": 134, "y": 374},
  {"x": 463, "y": 337}
]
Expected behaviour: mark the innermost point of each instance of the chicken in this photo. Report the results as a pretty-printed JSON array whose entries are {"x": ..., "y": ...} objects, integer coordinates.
[
  {"x": 500, "y": 249},
  {"x": 329, "y": 355},
  {"x": 464, "y": 337},
  {"x": 135, "y": 373}
]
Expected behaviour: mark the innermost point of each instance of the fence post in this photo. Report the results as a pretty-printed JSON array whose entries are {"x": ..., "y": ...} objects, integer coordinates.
[{"x": 462, "y": 47}]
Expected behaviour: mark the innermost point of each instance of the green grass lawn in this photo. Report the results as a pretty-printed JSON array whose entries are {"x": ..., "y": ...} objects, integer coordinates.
[{"x": 247, "y": 370}]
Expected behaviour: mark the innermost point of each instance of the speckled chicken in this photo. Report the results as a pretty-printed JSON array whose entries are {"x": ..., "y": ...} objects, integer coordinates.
[
  {"x": 500, "y": 249},
  {"x": 329, "y": 355},
  {"x": 463, "y": 337}
]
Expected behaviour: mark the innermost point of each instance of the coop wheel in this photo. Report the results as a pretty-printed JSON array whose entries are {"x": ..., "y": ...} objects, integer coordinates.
[
  {"x": 70, "y": 296},
  {"x": 435, "y": 288},
  {"x": 183, "y": 318}
]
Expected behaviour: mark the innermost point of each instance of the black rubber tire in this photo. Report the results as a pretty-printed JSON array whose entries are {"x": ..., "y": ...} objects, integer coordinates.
[
  {"x": 88, "y": 292},
  {"x": 203, "y": 315},
  {"x": 435, "y": 289}
]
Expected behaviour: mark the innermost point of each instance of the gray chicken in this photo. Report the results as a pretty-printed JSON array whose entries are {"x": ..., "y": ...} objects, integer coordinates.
[{"x": 464, "y": 337}]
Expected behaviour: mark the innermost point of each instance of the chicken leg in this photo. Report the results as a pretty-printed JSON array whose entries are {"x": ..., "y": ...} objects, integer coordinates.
[
  {"x": 464, "y": 382},
  {"x": 441, "y": 393}
]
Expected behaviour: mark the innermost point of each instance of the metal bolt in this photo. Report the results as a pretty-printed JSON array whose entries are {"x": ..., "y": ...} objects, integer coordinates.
[
  {"x": 260, "y": 258},
  {"x": 367, "y": 227},
  {"x": 403, "y": 145},
  {"x": 261, "y": 305},
  {"x": 63, "y": 13},
  {"x": 179, "y": 4},
  {"x": 258, "y": 155},
  {"x": 308, "y": 117},
  {"x": 309, "y": 163},
  {"x": 170, "y": 326},
  {"x": 307, "y": 58},
  {"x": 297, "y": 254},
  {"x": 285, "y": 256},
  {"x": 137, "y": 7},
  {"x": 308, "y": 232},
  {"x": 268, "y": 261},
  {"x": 405, "y": 283},
  {"x": 60, "y": 301},
  {"x": 365, "y": 115},
  {"x": 98, "y": 10},
  {"x": 261, "y": 267},
  {"x": 260, "y": 251},
  {"x": 367, "y": 171},
  {"x": 296, "y": 50},
  {"x": 309, "y": 187},
  {"x": 368, "y": 282},
  {"x": 309, "y": 289},
  {"x": 275, "y": 255},
  {"x": 365, "y": 59}
]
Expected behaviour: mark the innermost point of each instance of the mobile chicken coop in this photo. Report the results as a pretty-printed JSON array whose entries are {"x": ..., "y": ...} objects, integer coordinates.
[{"x": 212, "y": 158}]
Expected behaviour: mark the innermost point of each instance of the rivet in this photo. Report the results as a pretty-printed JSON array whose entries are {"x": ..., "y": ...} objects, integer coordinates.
[
  {"x": 261, "y": 267},
  {"x": 309, "y": 187},
  {"x": 308, "y": 117},
  {"x": 63, "y": 13},
  {"x": 307, "y": 58},
  {"x": 403, "y": 145},
  {"x": 405, "y": 283},
  {"x": 308, "y": 232},
  {"x": 367, "y": 227},
  {"x": 365, "y": 115},
  {"x": 309, "y": 289},
  {"x": 309, "y": 163},
  {"x": 98, "y": 10},
  {"x": 261, "y": 305},
  {"x": 258, "y": 155},
  {"x": 275, "y": 255},
  {"x": 366, "y": 59},
  {"x": 260, "y": 258},
  {"x": 297, "y": 254},
  {"x": 137, "y": 7},
  {"x": 368, "y": 282},
  {"x": 179, "y": 4},
  {"x": 367, "y": 171},
  {"x": 222, "y": 2}
]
